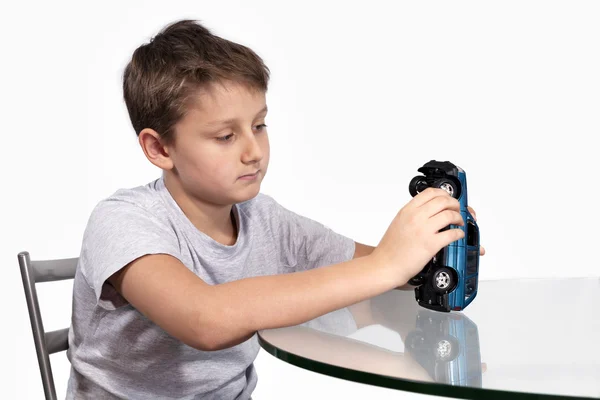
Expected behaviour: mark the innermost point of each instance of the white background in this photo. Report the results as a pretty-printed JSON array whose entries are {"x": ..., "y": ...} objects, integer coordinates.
[{"x": 362, "y": 94}]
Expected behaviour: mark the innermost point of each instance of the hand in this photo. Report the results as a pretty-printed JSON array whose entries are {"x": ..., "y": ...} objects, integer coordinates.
[
  {"x": 481, "y": 248},
  {"x": 413, "y": 237}
]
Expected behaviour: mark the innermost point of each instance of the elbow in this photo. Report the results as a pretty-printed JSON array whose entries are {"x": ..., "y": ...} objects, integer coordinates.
[
  {"x": 225, "y": 340},
  {"x": 215, "y": 336},
  {"x": 205, "y": 346},
  {"x": 202, "y": 344},
  {"x": 218, "y": 326},
  {"x": 215, "y": 343},
  {"x": 204, "y": 338}
]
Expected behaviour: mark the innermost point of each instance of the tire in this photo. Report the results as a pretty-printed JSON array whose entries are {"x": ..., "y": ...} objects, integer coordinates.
[
  {"x": 443, "y": 280},
  {"x": 417, "y": 280},
  {"x": 417, "y": 185},
  {"x": 449, "y": 185}
]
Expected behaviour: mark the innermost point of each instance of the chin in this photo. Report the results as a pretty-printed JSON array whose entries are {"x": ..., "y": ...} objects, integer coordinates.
[
  {"x": 252, "y": 193},
  {"x": 245, "y": 194}
]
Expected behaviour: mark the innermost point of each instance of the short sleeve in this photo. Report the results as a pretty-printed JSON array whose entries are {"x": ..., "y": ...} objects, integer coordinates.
[
  {"x": 309, "y": 244},
  {"x": 119, "y": 232}
]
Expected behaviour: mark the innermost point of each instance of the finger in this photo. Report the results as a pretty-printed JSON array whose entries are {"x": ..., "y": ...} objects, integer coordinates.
[
  {"x": 481, "y": 250},
  {"x": 445, "y": 218},
  {"x": 427, "y": 195},
  {"x": 439, "y": 204},
  {"x": 451, "y": 235},
  {"x": 473, "y": 213}
]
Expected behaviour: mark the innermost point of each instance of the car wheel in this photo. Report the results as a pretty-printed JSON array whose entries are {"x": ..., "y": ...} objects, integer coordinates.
[
  {"x": 450, "y": 186},
  {"x": 443, "y": 280},
  {"x": 417, "y": 280},
  {"x": 417, "y": 185}
]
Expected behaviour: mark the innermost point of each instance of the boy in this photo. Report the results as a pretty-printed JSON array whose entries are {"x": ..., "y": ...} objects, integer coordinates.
[{"x": 175, "y": 277}]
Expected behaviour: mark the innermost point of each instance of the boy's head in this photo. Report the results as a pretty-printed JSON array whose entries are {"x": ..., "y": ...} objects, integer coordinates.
[{"x": 179, "y": 88}]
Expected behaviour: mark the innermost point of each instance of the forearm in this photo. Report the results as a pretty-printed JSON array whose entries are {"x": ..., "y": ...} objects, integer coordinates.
[
  {"x": 245, "y": 306},
  {"x": 362, "y": 250}
]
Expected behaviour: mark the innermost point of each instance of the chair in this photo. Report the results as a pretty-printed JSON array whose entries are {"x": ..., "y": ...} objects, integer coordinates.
[{"x": 46, "y": 343}]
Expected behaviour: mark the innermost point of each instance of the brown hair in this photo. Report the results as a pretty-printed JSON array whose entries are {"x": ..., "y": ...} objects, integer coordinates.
[{"x": 165, "y": 74}]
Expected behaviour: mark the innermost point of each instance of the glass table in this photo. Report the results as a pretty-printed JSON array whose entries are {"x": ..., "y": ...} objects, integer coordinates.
[{"x": 532, "y": 338}]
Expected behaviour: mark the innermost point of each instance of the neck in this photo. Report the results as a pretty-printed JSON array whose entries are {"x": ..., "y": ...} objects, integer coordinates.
[{"x": 215, "y": 220}]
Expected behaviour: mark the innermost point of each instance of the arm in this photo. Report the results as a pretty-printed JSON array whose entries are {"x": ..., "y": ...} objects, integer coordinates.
[
  {"x": 362, "y": 250},
  {"x": 213, "y": 317},
  {"x": 362, "y": 312}
]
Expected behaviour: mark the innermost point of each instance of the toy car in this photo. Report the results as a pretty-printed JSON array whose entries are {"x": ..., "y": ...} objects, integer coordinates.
[
  {"x": 449, "y": 281},
  {"x": 447, "y": 347}
]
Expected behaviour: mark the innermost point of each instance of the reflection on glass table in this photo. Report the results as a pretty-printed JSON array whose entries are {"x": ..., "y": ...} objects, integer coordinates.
[
  {"x": 520, "y": 339},
  {"x": 446, "y": 345}
]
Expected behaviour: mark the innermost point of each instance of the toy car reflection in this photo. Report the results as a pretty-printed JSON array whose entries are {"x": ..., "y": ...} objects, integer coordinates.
[
  {"x": 447, "y": 347},
  {"x": 449, "y": 280}
]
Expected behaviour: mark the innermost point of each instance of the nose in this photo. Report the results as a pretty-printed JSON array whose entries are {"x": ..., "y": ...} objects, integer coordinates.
[{"x": 252, "y": 151}]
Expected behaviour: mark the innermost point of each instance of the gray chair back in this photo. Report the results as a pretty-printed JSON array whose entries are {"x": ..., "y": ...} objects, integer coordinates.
[{"x": 46, "y": 343}]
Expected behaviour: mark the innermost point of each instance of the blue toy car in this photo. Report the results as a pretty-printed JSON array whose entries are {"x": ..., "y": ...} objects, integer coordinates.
[{"x": 449, "y": 280}]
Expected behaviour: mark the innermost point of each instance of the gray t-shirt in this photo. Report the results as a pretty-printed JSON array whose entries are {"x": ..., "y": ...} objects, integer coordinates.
[{"x": 116, "y": 352}]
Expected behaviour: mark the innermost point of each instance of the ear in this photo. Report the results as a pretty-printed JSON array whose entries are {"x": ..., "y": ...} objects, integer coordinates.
[{"x": 155, "y": 150}]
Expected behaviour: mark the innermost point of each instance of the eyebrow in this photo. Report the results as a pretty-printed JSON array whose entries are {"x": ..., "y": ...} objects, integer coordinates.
[{"x": 230, "y": 120}]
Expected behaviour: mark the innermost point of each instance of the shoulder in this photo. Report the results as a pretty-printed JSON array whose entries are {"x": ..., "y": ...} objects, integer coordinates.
[
  {"x": 139, "y": 206},
  {"x": 143, "y": 196}
]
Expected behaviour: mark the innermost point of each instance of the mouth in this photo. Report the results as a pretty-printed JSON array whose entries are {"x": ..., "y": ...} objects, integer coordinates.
[{"x": 250, "y": 176}]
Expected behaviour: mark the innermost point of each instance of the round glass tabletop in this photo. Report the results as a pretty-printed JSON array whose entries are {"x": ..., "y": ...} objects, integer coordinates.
[{"x": 519, "y": 338}]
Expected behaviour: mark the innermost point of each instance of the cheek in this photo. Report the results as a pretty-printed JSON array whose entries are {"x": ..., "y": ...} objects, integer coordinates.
[
  {"x": 215, "y": 168},
  {"x": 204, "y": 167},
  {"x": 266, "y": 148},
  {"x": 219, "y": 172}
]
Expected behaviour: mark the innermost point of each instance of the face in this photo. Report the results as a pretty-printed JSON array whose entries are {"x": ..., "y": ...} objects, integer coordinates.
[{"x": 221, "y": 149}]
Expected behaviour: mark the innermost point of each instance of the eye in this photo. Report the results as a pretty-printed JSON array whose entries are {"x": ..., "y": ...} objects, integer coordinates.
[
  {"x": 260, "y": 127},
  {"x": 225, "y": 138}
]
